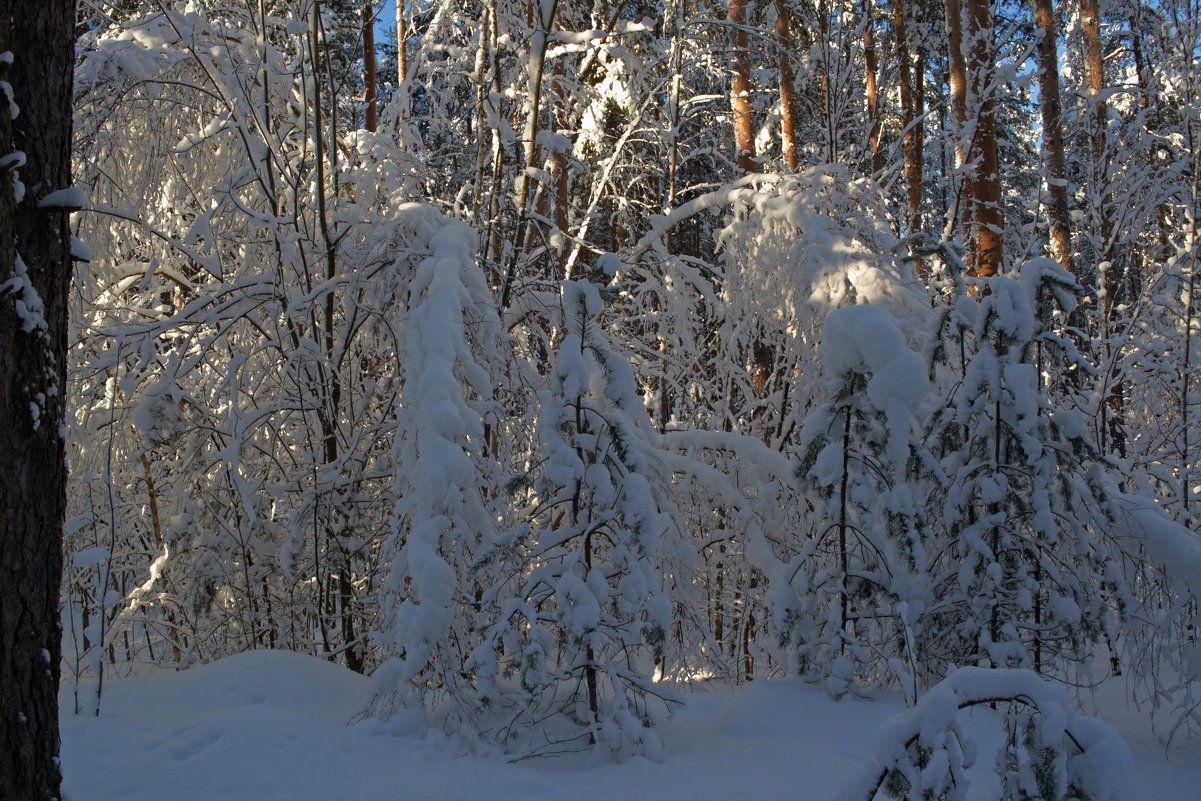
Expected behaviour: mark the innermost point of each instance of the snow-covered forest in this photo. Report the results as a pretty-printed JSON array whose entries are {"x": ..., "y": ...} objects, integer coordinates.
[{"x": 540, "y": 358}]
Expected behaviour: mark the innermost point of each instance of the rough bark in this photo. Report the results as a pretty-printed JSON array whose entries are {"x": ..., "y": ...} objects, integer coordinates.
[
  {"x": 986, "y": 182},
  {"x": 1090, "y": 19},
  {"x": 957, "y": 86},
  {"x": 1053, "y": 152},
  {"x": 1094, "y": 71},
  {"x": 559, "y": 174},
  {"x": 787, "y": 81},
  {"x": 369, "y": 63},
  {"x": 740, "y": 88},
  {"x": 33, "y": 479},
  {"x": 1112, "y": 286},
  {"x": 870, "y": 91},
  {"x": 911, "y": 145},
  {"x": 402, "y": 45}
]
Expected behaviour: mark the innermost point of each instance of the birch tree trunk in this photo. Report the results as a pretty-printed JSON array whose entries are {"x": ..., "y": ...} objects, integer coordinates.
[{"x": 539, "y": 41}]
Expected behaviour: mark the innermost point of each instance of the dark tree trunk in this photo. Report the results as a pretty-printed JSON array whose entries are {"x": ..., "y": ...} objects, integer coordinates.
[
  {"x": 910, "y": 133},
  {"x": 369, "y": 65},
  {"x": 33, "y": 354}
]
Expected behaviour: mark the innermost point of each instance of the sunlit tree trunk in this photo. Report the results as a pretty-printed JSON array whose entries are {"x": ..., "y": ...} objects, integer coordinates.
[
  {"x": 402, "y": 44},
  {"x": 740, "y": 88},
  {"x": 1108, "y": 271},
  {"x": 543, "y": 20},
  {"x": 787, "y": 80},
  {"x": 986, "y": 181},
  {"x": 961, "y": 206},
  {"x": 870, "y": 91},
  {"x": 1053, "y": 152}
]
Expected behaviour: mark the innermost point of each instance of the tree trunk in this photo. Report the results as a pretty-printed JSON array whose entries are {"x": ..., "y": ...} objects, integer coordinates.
[
  {"x": 987, "y": 181},
  {"x": 559, "y": 174},
  {"x": 402, "y": 47},
  {"x": 369, "y": 62},
  {"x": 873, "y": 112},
  {"x": 957, "y": 87},
  {"x": 539, "y": 42},
  {"x": 1053, "y": 153},
  {"x": 740, "y": 89},
  {"x": 787, "y": 79},
  {"x": 35, "y": 264},
  {"x": 1094, "y": 70},
  {"x": 1111, "y": 284},
  {"x": 913, "y": 167}
]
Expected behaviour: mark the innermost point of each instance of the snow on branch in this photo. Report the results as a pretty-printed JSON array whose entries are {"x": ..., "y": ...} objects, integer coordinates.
[{"x": 1174, "y": 546}]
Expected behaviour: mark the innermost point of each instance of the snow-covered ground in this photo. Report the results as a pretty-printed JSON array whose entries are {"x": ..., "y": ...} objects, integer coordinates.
[{"x": 274, "y": 725}]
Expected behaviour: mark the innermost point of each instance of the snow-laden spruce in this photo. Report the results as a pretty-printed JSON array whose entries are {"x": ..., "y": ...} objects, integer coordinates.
[
  {"x": 583, "y": 605},
  {"x": 431, "y": 615},
  {"x": 1019, "y": 582},
  {"x": 848, "y": 603}
]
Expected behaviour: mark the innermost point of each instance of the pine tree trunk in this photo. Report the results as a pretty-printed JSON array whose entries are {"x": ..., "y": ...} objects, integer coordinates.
[
  {"x": 32, "y": 371},
  {"x": 870, "y": 91},
  {"x": 1094, "y": 70},
  {"x": 1053, "y": 152},
  {"x": 957, "y": 88},
  {"x": 559, "y": 175},
  {"x": 913, "y": 168},
  {"x": 740, "y": 89},
  {"x": 787, "y": 79},
  {"x": 1113, "y": 428},
  {"x": 402, "y": 47},
  {"x": 986, "y": 182},
  {"x": 369, "y": 63}
]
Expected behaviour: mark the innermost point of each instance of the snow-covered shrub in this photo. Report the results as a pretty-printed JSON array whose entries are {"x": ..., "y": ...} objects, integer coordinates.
[
  {"x": 1017, "y": 583},
  {"x": 1053, "y": 753}
]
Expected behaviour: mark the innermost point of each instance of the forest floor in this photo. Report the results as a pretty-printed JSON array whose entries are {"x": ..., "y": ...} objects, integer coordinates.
[{"x": 272, "y": 725}]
